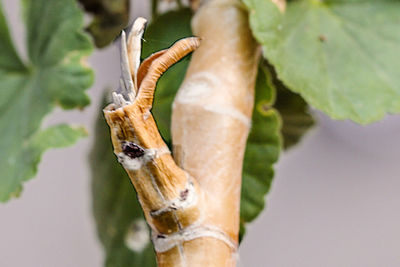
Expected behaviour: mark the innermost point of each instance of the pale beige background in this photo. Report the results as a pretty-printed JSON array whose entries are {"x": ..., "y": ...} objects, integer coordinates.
[{"x": 335, "y": 201}]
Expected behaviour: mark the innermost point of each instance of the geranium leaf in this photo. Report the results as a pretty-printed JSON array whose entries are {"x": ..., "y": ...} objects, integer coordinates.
[
  {"x": 343, "y": 57},
  {"x": 294, "y": 111},
  {"x": 262, "y": 150},
  {"x": 109, "y": 18},
  {"x": 54, "y": 75}
]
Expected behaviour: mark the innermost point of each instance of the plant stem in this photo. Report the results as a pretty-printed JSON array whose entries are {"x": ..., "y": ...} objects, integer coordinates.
[{"x": 211, "y": 121}]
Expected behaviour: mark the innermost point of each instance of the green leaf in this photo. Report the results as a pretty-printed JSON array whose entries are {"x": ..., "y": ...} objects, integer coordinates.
[
  {"x": 8, "y": 55},
  {"x": 262, "y": 151},
  {"x": 54, "y": 75},
  {"x": 117, "y": 212},
  {"x": 294, "y": 111},
  {"x": 29, "y": 157},
  {"x": 277, "y": 113},
  {"x": 343, "y": 57},
  {"x": 109, "y": 18},
  {"x": 296, "y": 119}
]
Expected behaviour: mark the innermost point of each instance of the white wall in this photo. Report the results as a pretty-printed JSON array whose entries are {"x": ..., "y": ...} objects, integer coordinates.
[{"x": 335, "y": 200}]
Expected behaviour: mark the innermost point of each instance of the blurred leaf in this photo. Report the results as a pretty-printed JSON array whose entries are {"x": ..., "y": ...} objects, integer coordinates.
[
  {"x": 262, "y": 151},
  {"x": 55, "y": 75},
  {"x": 117, "y": 212},
  {"x": 343, "y": 57},
  {"x": 296, "y": 119},
  {"x": 294, "y": 111},
  {"x": 277, "y": 112},
  {"x": 9, "y": 59},
  {"x": 109, "y": 18}
]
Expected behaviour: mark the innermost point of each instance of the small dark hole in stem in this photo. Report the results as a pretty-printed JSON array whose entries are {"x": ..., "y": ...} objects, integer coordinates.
[
  {"x": 184, "y": 194},
  {"x": 132, "y": 150}
]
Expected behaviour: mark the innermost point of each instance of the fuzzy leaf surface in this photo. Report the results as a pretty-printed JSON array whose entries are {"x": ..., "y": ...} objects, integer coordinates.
[
  {"x": 109, "y": 18},
  {"x": 342, "y": 57},
  {"x": 54, "y": 75},
  {"x": 294, "y": 111}
]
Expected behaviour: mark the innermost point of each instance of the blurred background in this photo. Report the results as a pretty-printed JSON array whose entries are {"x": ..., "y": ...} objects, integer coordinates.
[{"x": 335, "y": 200}]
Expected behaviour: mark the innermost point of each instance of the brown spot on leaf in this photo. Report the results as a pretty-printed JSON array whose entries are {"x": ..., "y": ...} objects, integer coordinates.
[
  {"x": 322, "y": 38},
  {"x": 266, "y": 106}
]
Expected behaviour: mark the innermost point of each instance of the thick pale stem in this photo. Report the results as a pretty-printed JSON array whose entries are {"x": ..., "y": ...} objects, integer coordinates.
[{"x": 211, "y": 121}]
